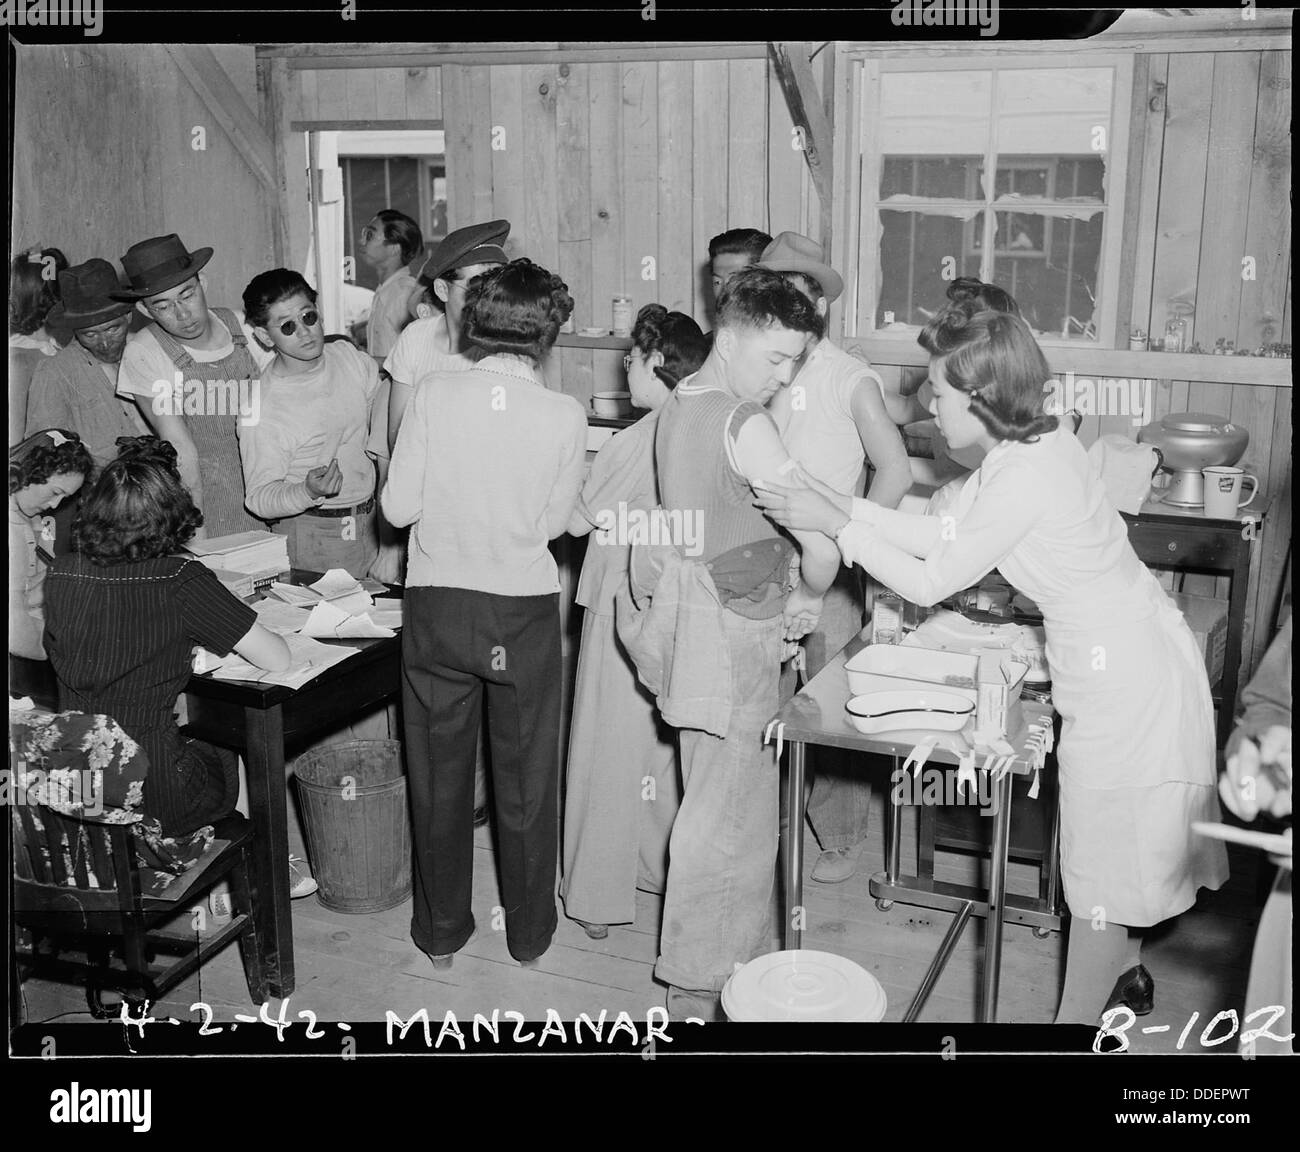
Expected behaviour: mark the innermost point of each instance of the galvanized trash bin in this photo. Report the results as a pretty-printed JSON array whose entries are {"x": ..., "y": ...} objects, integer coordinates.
[{"x": 357, "y": 825}]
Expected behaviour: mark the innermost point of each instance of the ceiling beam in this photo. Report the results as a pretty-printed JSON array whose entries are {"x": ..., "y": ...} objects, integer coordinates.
[
  {"x": 301, "y": 56},
  {"x": 227, "y": 105}
]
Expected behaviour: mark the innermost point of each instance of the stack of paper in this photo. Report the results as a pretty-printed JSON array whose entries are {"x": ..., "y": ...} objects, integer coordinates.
[
  {"x": 336, "y": 606},
  {"x": 309, "y": 659},
  {"x": 243, "y": 552}
]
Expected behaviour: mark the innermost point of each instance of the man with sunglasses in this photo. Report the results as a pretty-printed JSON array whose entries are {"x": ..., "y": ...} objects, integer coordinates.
[
  {"x": 189, "y": 342},
  {"x": 308, "y": 460}
]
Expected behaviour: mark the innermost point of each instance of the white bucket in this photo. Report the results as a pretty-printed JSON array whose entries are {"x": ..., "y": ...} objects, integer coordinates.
[{"x": 803, "y": 986}]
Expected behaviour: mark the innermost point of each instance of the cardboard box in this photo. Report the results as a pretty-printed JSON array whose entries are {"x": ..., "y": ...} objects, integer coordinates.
[{"x": 1207, "y": 617}]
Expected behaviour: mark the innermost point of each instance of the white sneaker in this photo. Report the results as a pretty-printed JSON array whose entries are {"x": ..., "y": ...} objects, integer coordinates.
[{"x": 301, "y": 881}]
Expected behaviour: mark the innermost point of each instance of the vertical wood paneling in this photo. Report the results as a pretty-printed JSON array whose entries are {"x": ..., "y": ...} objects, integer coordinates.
[
  {"x": 1268, "y": 211},
  {"x": 785, "y": 167},
  {"x": 363, "y": 101},
  {"x": 424, "y": 94},
  {"x": 390, "y": 94},
  {"x": 332, "y": 93},
  {"x": 478, "y": 92},
  {"x": 460, "y": 127},
  {"x": 640, "y": 183},
  {"x": 309, "y": 99},
  {"x": 746, "y": 145},
  {"x": 678, "y": 259},
  {"x": 507, "y": 127},
  {"x": 605, "y": 87},
  {"x": 573, "y": 148},
  {"x": 709, "y": 165},
  {"x": 540, "y": 210}
]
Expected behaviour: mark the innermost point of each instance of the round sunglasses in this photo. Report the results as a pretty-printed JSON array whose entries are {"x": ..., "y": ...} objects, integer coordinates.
[{"x": 308, "y": 319}]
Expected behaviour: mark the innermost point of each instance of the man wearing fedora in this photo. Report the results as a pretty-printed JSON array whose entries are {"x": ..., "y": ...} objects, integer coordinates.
[
  {"x": 832, "y": 418},
  {"x": 186, "y": 340},
  {"x": 77, "y": 389}
]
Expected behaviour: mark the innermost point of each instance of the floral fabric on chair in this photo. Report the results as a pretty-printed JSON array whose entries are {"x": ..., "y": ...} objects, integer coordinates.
[{"x": 86, "y": 767}]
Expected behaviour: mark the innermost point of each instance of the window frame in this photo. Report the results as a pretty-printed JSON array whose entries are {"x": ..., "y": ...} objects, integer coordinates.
[{"x": 864, "y": 169}]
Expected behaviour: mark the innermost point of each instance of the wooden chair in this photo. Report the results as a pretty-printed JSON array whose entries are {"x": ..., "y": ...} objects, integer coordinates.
[{"x": 97, "y": 906}]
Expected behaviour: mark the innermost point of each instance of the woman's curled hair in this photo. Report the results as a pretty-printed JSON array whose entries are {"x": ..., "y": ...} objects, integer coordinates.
[
  {"x": 994, "y": 358},
  {"x": 515, "y": 309},
  {"x": 975, "y": 295},
  {"x": 52, "y": 452},
  {"x": 676, "y": 336},
  {"x": 138, "y": 509}
]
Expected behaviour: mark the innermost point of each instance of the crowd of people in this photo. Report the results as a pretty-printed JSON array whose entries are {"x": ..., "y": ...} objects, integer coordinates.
[{"x": 439, "y": 459}]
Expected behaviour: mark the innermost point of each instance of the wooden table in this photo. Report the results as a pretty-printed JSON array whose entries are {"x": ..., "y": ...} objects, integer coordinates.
[
  {"x": 1165, "y": 536},
  {"x": 816, "y": 715},
  {"x": 258, "y": 720}
]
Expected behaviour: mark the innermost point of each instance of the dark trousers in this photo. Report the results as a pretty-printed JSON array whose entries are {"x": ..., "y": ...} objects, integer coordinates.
[{"x": 456, "y": 645}]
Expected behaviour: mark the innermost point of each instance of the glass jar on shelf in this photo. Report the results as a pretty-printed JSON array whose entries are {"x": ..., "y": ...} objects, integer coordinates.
[{"x": 1178, "y": 327}]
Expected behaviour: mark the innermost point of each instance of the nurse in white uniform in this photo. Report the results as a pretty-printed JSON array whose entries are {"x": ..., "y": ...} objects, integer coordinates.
[{"x": 1137, "y": 749}]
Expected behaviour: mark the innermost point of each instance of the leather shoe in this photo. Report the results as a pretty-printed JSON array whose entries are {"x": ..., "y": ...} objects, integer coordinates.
[
  {"x": 594, "y": 931},
  {"x": 480, "y": 816},
  {"x": 836, "y": 865},
  {"x": 1135, "y": 990}
]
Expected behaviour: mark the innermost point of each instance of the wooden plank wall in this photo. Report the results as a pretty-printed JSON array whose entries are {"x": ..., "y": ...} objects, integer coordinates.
[
  {"x": 615, "y": 175},
  {"x": 1216, "y": 189},
  {"x": 103, "y": 157}
]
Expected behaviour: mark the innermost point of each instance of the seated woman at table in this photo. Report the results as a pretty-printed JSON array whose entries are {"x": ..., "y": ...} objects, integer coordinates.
[
  {"x": 308, "y": 464},
  {"x": 44, "y": 470},
  {"x": 123, "y": 615},
  {"x": 616, "y": 828},
  {"x": 1137, "y": 750}
]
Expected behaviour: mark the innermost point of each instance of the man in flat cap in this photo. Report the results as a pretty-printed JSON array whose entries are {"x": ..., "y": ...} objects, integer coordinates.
[
  {"x": 77, "y": 389},
  {"x": 431, "y": 343},
  {"x": 832, "y": 418},
  {"x": 213, "y": 354}
]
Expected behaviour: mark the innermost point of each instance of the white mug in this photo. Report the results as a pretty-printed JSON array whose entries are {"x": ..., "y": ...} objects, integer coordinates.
[{"x": 1223, "y": 489}]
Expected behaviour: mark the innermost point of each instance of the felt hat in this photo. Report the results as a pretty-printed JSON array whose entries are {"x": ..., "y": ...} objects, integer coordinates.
[
  {"x": 86, "y": 300},
  {"x": 477, "y": 244},
  {"x": 159, "y": 263},
  {"x": 790, "y": 252}
]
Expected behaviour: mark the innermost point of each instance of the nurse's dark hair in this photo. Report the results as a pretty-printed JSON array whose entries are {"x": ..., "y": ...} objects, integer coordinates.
[
  {"x": 36, "y": 459},
  {"x": 994, "y": 358},
  {"x": 267, "y": 289},
  {"x": 759, "y": 298},
  {"x": 976, "y": 295},
  {"x": 516, "y": 309},
  {"x": 676, "y": 335},
  {"x": 33, "y": 288},
  {"x": 138, "y": 509}
]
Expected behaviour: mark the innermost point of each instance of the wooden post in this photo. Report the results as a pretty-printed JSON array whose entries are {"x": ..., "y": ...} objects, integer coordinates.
[{"x": 812, "y": 116}]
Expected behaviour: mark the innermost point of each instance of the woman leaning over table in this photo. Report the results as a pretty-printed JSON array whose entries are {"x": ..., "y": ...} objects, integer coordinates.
[
  {"x": 622, "y": 785},
  {"x": 1137, "y": 750}
]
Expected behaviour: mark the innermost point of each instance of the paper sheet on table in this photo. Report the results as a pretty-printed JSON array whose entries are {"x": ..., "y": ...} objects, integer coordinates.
[
  {"x": 387, "y": 612},
  {"x": 280, "y": 617},
  {"x": 336, "y": 586},
  {"x": 309, "y": 658},
  {"x": 336, "y": 582},
  {"x": 327, "y": 621}
]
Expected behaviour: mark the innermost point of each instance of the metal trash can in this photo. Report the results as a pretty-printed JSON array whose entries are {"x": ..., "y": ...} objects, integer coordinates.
[
  {"x": 804, "y": 986},
  {"x": 357, "y": 824}
]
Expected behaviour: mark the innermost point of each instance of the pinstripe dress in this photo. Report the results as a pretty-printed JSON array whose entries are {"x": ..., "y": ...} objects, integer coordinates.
[{"x": 120, "y": 638}]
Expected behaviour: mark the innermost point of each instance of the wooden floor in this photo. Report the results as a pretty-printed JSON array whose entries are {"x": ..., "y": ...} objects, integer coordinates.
[{"x": 355, "y": 967}]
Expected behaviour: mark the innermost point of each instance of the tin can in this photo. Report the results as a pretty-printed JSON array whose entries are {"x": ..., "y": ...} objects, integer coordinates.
[
  {"x": 1137, "y": 340},
  {"x": 622, "y": 316}
]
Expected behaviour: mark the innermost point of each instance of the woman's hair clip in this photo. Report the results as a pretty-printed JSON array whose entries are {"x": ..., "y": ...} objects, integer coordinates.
[{"x": 57, "y": 437}]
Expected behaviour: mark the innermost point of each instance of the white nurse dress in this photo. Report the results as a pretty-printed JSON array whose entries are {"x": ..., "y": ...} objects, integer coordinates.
[{"x": 1137, "y": 748}]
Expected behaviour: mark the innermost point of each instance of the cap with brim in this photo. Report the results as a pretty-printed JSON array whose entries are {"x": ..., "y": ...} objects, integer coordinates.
[
  {"x": 791, "y": 252},
  {"x": 477, "y": 244},
  {"x": 86, "y": 296},
  {"x": 157, "y": 264}
]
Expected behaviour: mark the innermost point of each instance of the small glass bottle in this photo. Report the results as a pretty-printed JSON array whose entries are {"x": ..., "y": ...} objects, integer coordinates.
[{"x": 886, "y": 617}]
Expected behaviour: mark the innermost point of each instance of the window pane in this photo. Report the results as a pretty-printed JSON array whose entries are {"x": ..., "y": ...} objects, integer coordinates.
[
  {"x": 953, "y": 177},
  {"x": 935, "y": 113},
  {"x": 364, "y": 181},
  {"x": 1056, "y": 283},
  {"x": 913, "y": 250},
  {"x": 1046, "y": 111},
  {"x": 404, "y": 185}
]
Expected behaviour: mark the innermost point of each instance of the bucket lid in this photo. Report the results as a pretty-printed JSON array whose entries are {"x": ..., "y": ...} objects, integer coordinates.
[{"x": 803, "y": 985}]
